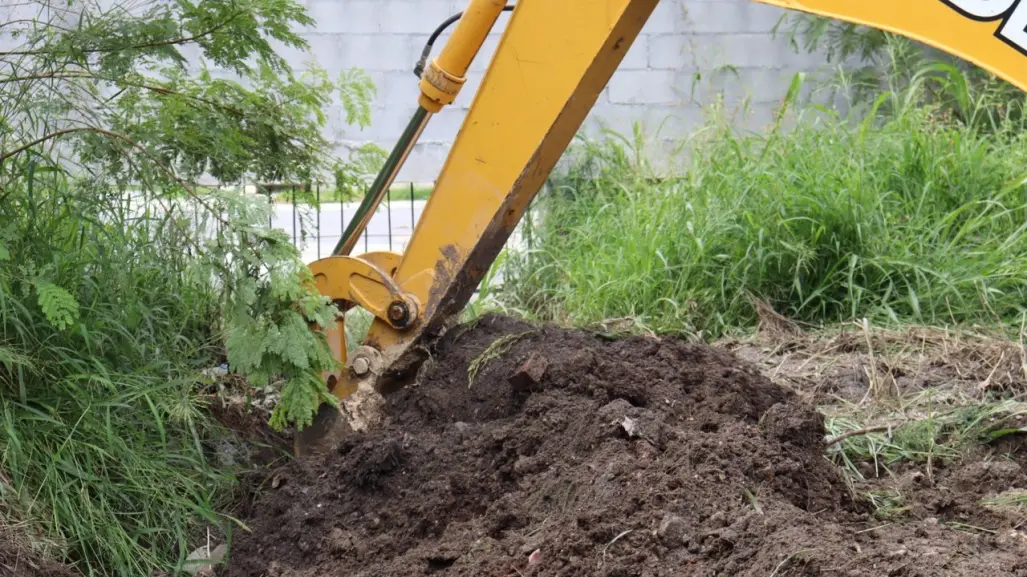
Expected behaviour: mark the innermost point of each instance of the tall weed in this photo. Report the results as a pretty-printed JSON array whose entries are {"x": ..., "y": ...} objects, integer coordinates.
[
  {"x": 900, "y": 214},
  {"x": 104, "y": 441}
]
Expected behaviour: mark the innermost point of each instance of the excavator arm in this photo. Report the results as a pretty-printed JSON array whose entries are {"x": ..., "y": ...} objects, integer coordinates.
[{"x": 553, "y": 60}]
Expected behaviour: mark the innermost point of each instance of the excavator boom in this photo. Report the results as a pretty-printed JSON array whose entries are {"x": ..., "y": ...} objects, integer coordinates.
[{"x": 553, "y": 60}]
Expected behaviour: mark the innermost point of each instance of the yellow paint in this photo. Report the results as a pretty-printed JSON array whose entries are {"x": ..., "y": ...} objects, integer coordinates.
[
  {"x": 365, "y": 281},
  {"x": 552, "y": 62},
  {"x": 992, "y": 43},
  {"x": 445, "y": 75}
]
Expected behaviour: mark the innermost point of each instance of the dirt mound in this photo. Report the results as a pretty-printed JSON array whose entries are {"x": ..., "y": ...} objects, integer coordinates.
[{"x": 569, "y": 454}]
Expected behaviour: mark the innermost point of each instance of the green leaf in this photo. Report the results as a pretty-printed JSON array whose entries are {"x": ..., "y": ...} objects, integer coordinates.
[{"x": 58, "y": 305}]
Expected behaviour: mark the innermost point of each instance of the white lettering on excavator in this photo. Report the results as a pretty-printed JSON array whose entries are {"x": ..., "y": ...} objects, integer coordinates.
[{"x": 1012, "y": 13}]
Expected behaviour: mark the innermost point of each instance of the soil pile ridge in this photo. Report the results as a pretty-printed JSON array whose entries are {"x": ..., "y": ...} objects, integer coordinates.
[{"x": 574, "y": 455}]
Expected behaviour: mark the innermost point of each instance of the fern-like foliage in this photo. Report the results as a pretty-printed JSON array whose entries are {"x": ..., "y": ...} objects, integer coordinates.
[
  {"x": 57, "y": 304},
  {"x": 272, "y": 309},
  {"x": 122, "y": 278}
]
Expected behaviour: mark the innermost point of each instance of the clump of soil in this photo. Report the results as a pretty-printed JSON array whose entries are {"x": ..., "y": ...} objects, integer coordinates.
[{"x": 574, "y": 455}]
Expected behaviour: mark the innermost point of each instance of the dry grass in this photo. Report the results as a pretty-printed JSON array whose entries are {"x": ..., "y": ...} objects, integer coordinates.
[
  {"x": 916, "y": 394},
  {"x": 21, "y": 543},
  {"x": 492, "y": 352},
  {"x": 885, "y": 361}
]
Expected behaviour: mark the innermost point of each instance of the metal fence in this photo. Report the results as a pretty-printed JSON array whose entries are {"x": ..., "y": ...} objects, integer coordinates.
[{"x": 315, "y": 221}]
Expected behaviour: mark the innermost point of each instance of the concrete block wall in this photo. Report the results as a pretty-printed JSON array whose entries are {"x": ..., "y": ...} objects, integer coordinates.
[{"x": 690, "y": 52}]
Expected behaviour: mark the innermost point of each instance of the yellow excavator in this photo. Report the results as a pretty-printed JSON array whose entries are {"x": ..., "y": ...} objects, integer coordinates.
[{"x": 553, "y": 60}]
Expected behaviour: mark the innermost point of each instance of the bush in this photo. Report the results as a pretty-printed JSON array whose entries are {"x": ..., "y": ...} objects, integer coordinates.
[
  {"x": 122, "y": 279},
  {"x": 102, "y": 344},
  {"x": 904, "y": 216}
]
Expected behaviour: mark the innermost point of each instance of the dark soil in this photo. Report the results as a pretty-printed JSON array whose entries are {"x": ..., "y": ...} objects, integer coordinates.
[
  {"x": 16, "y": 561},
  {"x": 574, "y": 455}
]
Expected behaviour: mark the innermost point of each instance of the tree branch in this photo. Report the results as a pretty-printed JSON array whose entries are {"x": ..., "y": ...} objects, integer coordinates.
[
  {"x": 88, "y": 76},
  {"x": 143, "y": 46},
  {"x": 189, "y": 188},
  {"x": 45, "y": 138}
]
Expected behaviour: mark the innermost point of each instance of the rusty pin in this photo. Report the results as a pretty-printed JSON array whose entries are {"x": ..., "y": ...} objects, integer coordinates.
[{"x": 399, "y": 313}]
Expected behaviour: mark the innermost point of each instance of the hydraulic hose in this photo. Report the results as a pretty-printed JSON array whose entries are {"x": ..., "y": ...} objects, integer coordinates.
[
  {"x": 419, "y": 67},
  {"x": 467, "y": 39},
  {"x": 382, "y": 182}
]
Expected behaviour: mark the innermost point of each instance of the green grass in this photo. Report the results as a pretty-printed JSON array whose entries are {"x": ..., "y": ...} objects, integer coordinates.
[
  {"x": 905, "y": 217},
  {"x": 105, "y": 443},
  {"x": 923, "y": 428}
]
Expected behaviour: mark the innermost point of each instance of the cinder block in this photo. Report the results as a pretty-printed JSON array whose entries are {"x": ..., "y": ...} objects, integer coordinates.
[
  {"x": 672, "y": 51},
  {"x": 655, "y": 121},
  {"x": 424, "y": 163},
  {"x": 733, "y": 87},
  {"x": 396, "y": 89},
  {"x": 443, "y": 126},
  {"x": 637, "y": 57},
  {"x": 757, "y": 85},
  {"x": 644, "y": 87},
  {"x": 723, "y": 17},
  {"x": 350, "y": 17},
  {"x": 752, "y": 50},
  {"x": 668, "y": 17},
  {"x": 387, "y": 125},
  {"x": 378, "y": 51},
  {"x": 419, "y": 17}
]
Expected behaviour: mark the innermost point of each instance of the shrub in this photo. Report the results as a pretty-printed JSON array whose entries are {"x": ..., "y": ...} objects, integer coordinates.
[{"x": 122, "y": 279}]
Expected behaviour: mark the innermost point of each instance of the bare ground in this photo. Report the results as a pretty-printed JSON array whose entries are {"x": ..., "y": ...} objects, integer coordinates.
[{"x": 572, "y": 454}]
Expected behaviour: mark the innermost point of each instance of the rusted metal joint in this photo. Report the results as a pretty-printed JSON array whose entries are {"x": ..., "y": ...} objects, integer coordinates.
[
  {"x": 366, "y": 360},
  {"x": 402, "y": 312}
]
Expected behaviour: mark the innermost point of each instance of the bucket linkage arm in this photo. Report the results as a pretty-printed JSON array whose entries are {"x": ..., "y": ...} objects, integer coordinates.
[{"x": 552, "y": 62}]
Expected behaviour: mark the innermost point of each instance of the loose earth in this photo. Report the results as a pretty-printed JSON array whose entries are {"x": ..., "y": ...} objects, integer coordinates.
[{"x": 573, "y": 454}]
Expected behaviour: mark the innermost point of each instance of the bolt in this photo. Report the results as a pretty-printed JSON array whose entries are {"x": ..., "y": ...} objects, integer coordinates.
[
  {"x": 361, "y": 366},
  {"x": 399, "y": 313}
]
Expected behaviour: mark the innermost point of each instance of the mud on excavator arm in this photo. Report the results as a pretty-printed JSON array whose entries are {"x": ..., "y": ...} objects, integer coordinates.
[{"x": 553, "y": 60}]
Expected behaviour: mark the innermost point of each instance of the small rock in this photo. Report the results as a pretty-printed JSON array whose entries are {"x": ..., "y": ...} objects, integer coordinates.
[
  {"x": 528, "y": 465},
  {"x": 673, "y": 530},
  {"x": 718, "y": 520},
  {"x": 629, "y": 426},
  {"x": 339, "y": 541},
  {"x": 614, "y": 410},
  {"x": 535, "y": 557},
  {"x": 530, "y": 373},
  {"x": 531, "y": 544},
  {"x": 1012, "y": 537}
]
